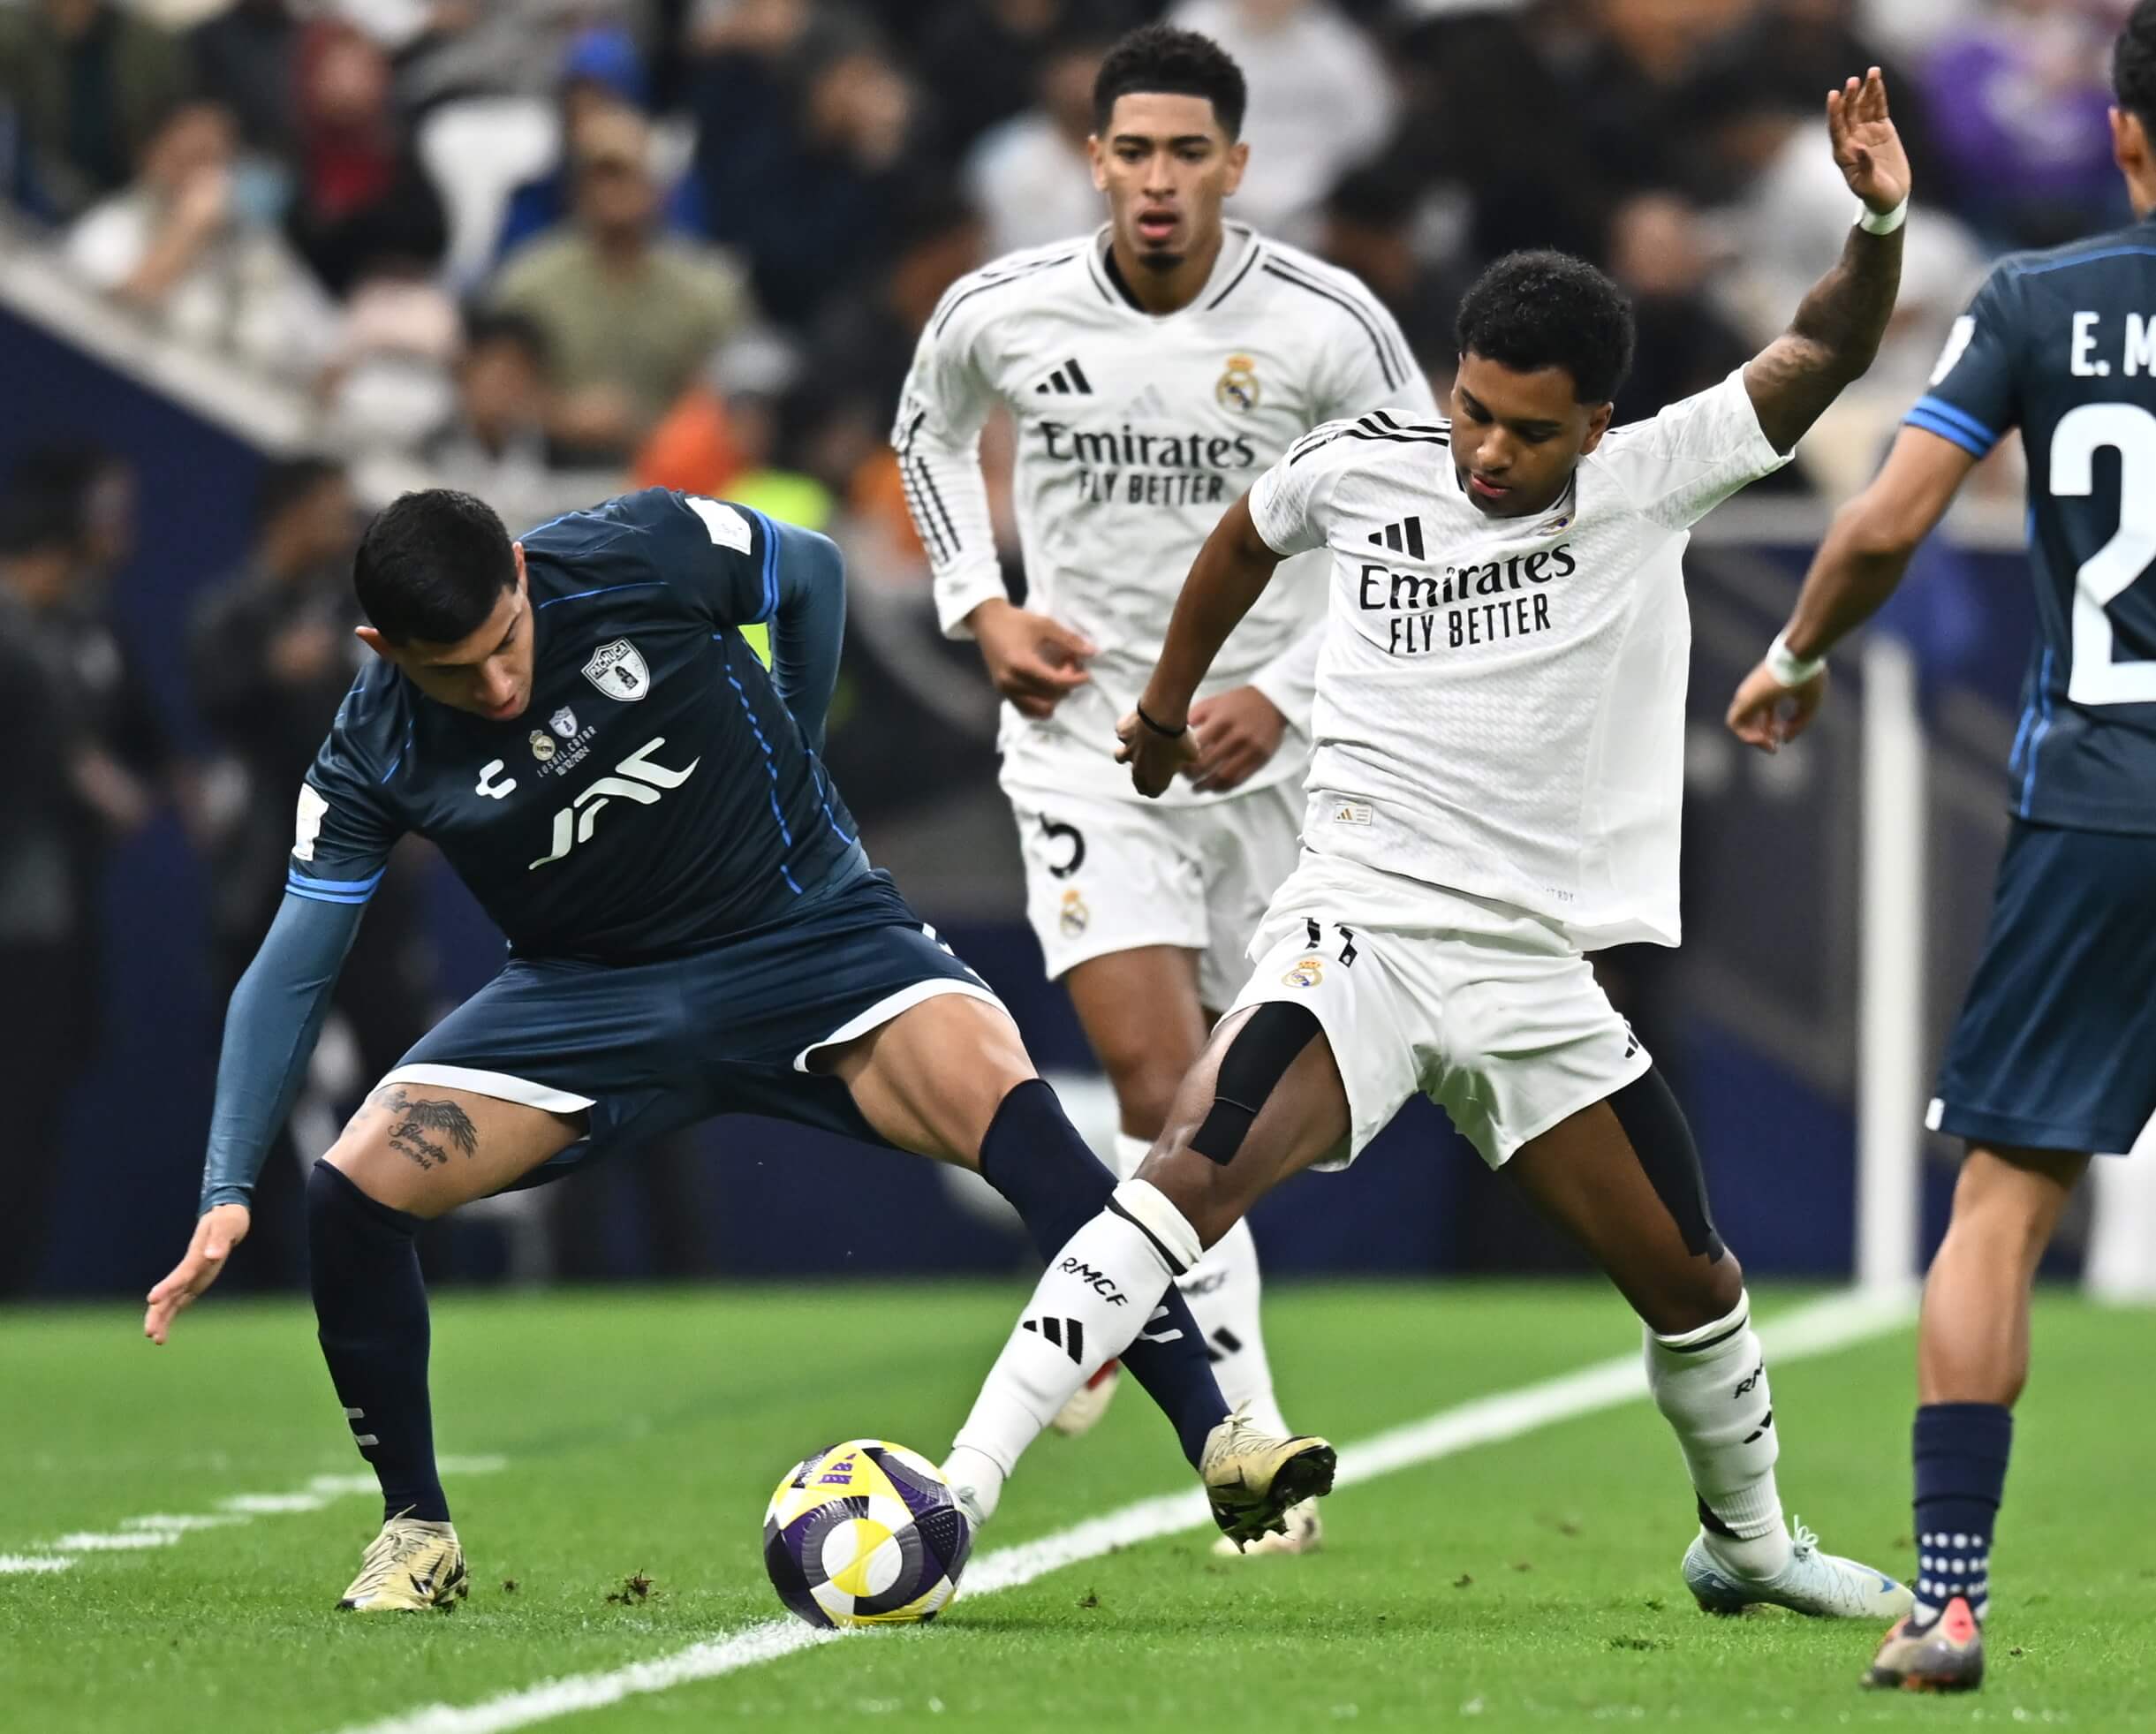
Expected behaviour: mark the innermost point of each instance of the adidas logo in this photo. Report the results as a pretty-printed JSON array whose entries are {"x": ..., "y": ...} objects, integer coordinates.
[
  {"x": 1223, "y": 1343},
  {"x": 1148, "y": 402},
  {"x": 1405, "y": 537},
  {"x": 1065, "y": 380},
  {"x": 1069, "y": 1335}
]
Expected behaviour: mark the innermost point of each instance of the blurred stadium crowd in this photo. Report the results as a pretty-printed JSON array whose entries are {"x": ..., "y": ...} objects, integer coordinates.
[{"x": 539, "y": 247}]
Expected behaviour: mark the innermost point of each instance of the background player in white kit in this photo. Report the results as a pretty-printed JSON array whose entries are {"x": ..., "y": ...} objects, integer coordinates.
[
  {"x": 1155, "y": 369},
  {"x": 1496, "y": 789}
]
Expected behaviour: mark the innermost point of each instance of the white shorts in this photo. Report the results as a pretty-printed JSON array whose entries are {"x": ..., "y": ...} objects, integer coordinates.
[
  {"x": 1104, "y": 876},
  {"x": 1491, "y": 1012}
]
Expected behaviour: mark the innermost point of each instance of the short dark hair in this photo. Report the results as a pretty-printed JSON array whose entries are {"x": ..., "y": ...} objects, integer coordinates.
[
  {"x": 2133, "y": 63},
  {"x": 1543, "y": 309},
  {"x": 288, "y": 481},
  {"x": 499, "y": 325},
  {"x": 1161, "y": 58},
  {"x": 432, "y": 565}
]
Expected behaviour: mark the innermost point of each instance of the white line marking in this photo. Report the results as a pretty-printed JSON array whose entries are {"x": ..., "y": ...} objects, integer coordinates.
[
  {"x": 1821, "y": 1327},
  {"x": 90, "y": 1543},
  {"x": 160, "y": 1529}
]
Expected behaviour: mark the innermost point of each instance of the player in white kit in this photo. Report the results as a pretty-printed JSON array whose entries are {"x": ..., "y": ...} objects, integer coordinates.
[
  {"x": 1495, "y": 791},
  {"x": 1155, "y": 369}
]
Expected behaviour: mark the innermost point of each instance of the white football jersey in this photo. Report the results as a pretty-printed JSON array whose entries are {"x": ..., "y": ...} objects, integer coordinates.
[
  {"x": 1135, "y": 433},
  {"x": 1501, "y": 702}
]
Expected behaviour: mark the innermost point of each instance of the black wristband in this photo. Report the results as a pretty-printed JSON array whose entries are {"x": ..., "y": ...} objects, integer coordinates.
[{"x": 1167, "y": 733}]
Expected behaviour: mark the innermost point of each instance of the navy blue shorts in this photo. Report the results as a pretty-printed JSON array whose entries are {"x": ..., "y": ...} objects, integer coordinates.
[
  {"x": 2056, "y": 1045},
  {"x": 646, "y": 1049}
]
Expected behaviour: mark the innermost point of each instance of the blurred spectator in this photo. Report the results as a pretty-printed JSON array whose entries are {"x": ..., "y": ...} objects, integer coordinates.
[
  {"x": 448, "y": 49},
  {"x": 89, "y": 83},
  {"x": 805, "y": 185},
  {"x": 629, "y": 315},
  {"x": 984, "y": 59},
  {"x": 601, "y": 70},
  {"x": 497, "y": 445},
  {"x": 1663, "y": 255},
  {"x": 2020, "y": 92},
  {"x": 47, "y": 1004},
  {"x": 247, "y": 56},
  {"x": 1371, "y": 228},
  {"x": 191, "y": 246},
  {"x": 68, "y": 700},
  {"x": 1031, "y": 176},
  {"x": 271, "y": 654},
  {"x": 1321, "y": 101},
  {"x": 365, "y": 204}
]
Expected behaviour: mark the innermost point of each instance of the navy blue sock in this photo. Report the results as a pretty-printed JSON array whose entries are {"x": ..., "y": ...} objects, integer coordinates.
[
  {"x": 1034, "y": 1157},
  {"x": 370, "y": 1312},
  {"x": 1961, "y": 1456}
]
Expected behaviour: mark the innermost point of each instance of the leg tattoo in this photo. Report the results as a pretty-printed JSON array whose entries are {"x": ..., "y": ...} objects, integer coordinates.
[{"x": 413, "y": 1120}]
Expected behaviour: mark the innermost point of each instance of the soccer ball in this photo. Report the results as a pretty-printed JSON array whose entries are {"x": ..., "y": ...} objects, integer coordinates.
[{"x": 865, "y": 1534}]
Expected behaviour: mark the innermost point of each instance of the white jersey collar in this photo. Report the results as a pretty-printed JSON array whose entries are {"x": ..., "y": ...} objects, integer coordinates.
[{"x": 1239, "y": 247}]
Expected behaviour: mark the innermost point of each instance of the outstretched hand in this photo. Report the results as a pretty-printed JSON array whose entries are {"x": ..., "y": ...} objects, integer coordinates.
[
  {"x": 214, "y": 1236},
  {"x": 1867, "y": 149},
  {"x": 1766, "y": 714}
]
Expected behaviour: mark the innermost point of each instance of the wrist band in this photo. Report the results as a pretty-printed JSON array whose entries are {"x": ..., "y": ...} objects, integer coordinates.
[
  {"x": 1167, "y": 733},
  {"x": 1882, "y": 223},
  {"x": 1787, "y": 667}
]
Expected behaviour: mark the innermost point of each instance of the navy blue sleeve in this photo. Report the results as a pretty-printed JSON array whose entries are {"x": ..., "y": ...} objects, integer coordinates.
[
  {"x": 808, "y": 627},
  {"x": 1974, "y": 396},
  {"x": 270, "y": 1034},
  {"x": 722, "y": 555}
]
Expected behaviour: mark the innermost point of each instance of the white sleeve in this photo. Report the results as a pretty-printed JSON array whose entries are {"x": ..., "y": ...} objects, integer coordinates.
[
  {"x": 1283, "y": 501},
  {"x": 1370, "y": 366},
  {"x": 1686, "y": 461},
  {"x": 1290, "y": 680},
  {"x": 937, "y": 438}
]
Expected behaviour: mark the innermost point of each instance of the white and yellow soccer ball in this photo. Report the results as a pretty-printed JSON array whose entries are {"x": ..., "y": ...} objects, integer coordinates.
[{"x": 865, "y": 1534}]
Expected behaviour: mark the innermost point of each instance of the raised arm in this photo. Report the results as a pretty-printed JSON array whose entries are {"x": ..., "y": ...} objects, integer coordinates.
[
  {"x": 808, "y": 626},
  {"x": 1838, "y": 326},
  {"x": 1856, "y": 570},
  {"x": 1229, "y": 575}
]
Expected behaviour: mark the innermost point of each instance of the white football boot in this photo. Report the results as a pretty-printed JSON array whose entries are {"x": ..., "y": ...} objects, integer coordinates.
[
  {"x": 1823, "y": 1584},
  {"x": 410, "y": 1565}
]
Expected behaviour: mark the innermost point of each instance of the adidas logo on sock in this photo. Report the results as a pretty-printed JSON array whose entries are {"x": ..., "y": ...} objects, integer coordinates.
[
  {"x": 1065, "y": 380},
  {"x": 1069, "y": 1335},
  {"x": 1223, "y": 1343},
  {"x": 1405, "y": 537}
]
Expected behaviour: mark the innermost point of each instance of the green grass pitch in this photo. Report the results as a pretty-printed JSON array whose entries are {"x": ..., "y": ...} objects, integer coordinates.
[{"x": 1530, "y": 1583}]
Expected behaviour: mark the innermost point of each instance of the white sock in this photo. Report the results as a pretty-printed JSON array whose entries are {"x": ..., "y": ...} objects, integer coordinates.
[
  {"x": 1091, "y": 1303},
  {"x": 1711, "y": 1386},
  {"x": 1223, "y": 1289}
]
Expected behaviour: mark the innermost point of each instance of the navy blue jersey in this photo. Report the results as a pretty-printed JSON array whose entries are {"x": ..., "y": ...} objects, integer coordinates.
[
  {"x": 655, "y": 795},
  {"x": 2062, "y": 345}
]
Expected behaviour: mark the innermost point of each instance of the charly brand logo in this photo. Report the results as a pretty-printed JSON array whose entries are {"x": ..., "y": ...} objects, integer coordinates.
[
  {"x": 487, "y": 786},
  {"x": 543, "y": 745},
  {"x": 1237, "y": 387},
  {"x": 617, "y": 669},
  {"x": 563, "y": 722},
  {"x": 638, "y": 778}
]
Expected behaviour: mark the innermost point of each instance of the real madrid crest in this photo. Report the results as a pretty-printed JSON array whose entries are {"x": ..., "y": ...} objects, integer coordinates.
[
  {"x": 1238, "y": 388},
  {"x": 1306, "y": 974},
  {"x": 1074, "y": 916},
  {"x": 543, "y": 745}
]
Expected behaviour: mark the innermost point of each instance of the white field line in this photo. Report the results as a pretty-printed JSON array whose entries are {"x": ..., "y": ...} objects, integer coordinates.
[
  {"x": 161, "y": 1529},
  {"x": 1821, "y": 1327}
]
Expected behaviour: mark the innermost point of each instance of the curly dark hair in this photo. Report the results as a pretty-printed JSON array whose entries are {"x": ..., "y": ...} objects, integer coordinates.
[
  {"x": 1161, "y": 58},
  {"x": 2133, "y": 64},
  {"x": 1544, "y": 309},
  {"x": 432, "y": 565}
]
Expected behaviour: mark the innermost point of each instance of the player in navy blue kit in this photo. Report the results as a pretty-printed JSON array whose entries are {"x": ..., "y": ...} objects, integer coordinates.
[
  {"x": 2054, "y": 1055},
  {"x": 576, "y": 723}
]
